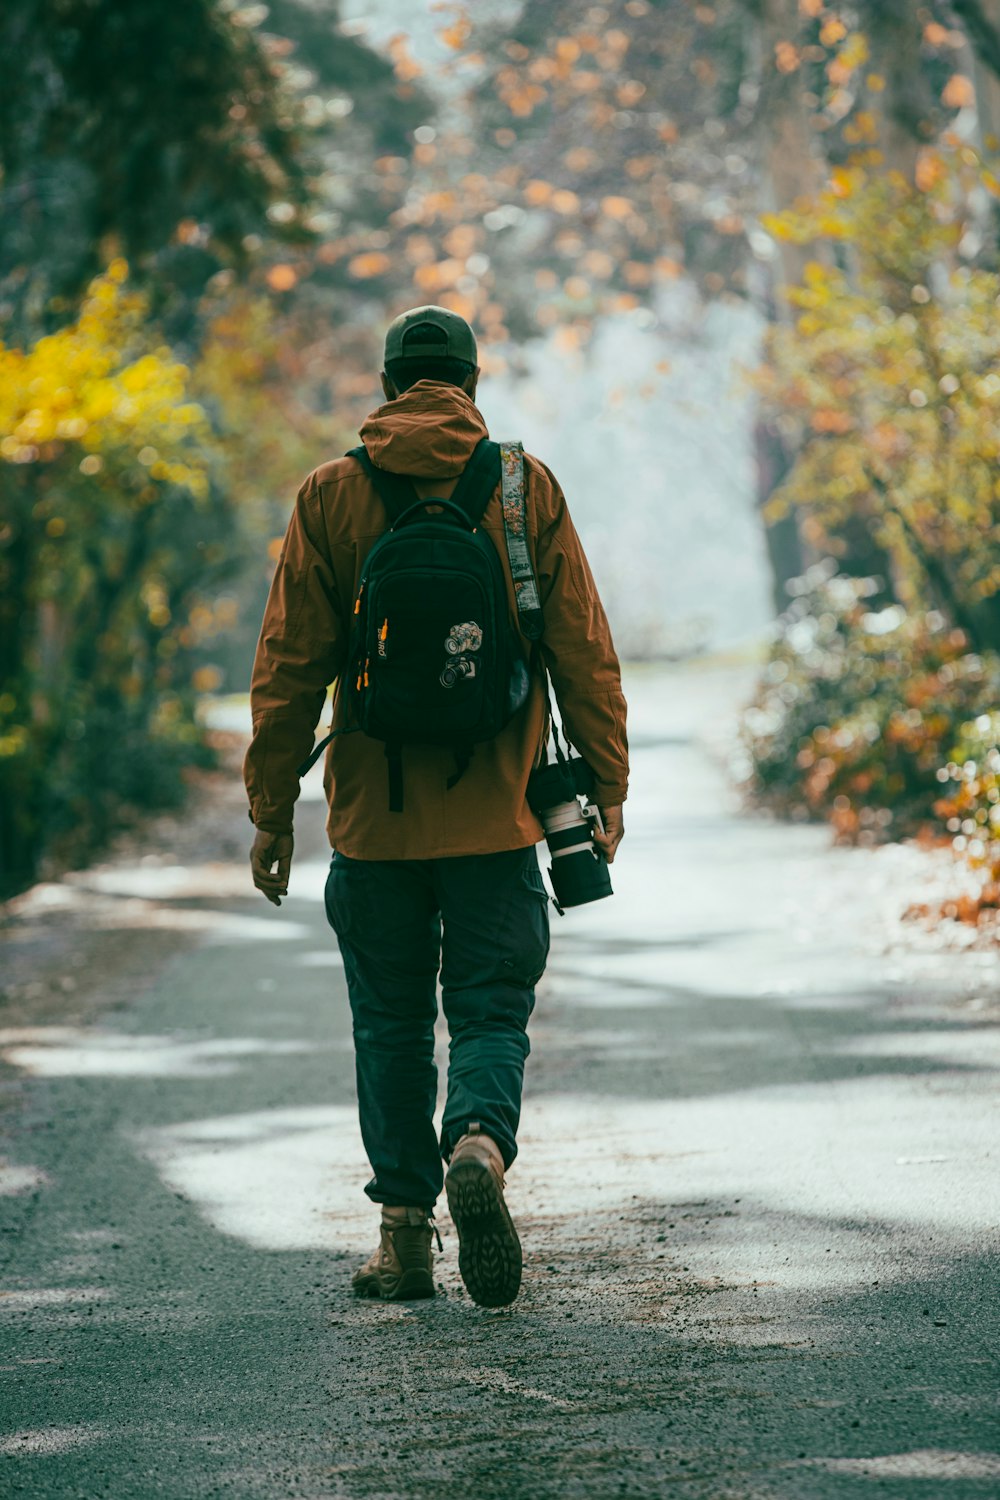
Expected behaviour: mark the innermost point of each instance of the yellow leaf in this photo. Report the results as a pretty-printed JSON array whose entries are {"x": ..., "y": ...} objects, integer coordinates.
[
  {"x": 842, "y": 182},
  {"x": 206, "y": 679}
]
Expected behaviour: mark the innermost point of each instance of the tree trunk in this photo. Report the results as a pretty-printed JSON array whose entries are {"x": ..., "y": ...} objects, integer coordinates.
[
  {"x": 790, "y": 165},
  {"x": 789, "y": 169},
  {"x": 905, "y": 107}
]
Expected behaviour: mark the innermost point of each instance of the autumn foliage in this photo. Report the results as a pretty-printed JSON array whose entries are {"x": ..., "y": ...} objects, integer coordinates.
[
  {"x": 879, "y": 691},
  {"x": 859, "y": 707},
  {"x": 888, "y": 385},
  {"x": 110, "y": 538}
]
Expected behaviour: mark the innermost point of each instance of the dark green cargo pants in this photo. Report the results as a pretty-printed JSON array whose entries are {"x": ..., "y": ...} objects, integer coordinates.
[{"x": 482, "y": 921}]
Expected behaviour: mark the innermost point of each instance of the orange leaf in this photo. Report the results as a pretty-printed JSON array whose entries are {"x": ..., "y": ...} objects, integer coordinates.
[
  {"x": 456, "y": 35},
  {"x": 370, "y": 263},
  {"x": 616, "y": 208},
  {"x": 565, "y": 202},
  {"x": 786, "y": 57},
  {"x": 958, "y": 92},
  {"x": 537, "y": 192},
  {"x": 281, "y": 278},
  {"x": 929, "y": 170}
]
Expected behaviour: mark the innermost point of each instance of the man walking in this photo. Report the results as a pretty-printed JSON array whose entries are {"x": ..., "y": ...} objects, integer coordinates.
[{"x": 434, "y": 871}]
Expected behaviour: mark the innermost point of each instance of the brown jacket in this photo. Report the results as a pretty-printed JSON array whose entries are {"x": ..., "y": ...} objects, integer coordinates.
[{"x": 428, "y": 433}]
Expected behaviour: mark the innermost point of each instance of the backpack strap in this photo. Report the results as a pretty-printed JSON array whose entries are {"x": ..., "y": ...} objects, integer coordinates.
[
  {"x": 394, "y": 490},
  {"x": 317, "y": 750},
  {"x": 515, "y": 530},
  {"x": 478, "y": 480},
  {"x": 490, "y": 463}
]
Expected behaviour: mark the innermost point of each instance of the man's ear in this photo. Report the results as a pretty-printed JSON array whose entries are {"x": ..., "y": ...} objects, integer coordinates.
[
  {"x": 470, "y": 382},
  {"x": 388, "y": 388}
]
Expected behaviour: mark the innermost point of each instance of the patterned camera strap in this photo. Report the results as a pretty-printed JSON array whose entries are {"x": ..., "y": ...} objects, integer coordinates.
[{"x": 515, "y": 527}]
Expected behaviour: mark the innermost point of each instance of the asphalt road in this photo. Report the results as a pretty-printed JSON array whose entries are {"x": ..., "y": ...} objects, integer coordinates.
[{"x": 758, "y": 1184}]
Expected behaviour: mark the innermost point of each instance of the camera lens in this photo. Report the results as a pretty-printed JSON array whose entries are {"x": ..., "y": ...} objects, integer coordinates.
[
  {"x": 581, "y": 877},
  {"x": 579, "y": 871}
]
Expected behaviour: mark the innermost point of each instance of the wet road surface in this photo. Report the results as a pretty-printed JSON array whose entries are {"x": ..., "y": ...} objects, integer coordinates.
[{"x": 757, "y": 1188}]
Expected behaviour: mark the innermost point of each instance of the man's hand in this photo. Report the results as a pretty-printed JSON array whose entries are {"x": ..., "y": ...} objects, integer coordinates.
[
  {"x": 270, "y": 849},
  {"x": 614, "y": 830}
]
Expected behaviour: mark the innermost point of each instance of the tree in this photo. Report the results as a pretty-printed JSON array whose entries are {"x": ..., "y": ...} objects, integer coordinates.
[
  {"x": 890, "y": 376},
  {"x": 145, "y": 434}
]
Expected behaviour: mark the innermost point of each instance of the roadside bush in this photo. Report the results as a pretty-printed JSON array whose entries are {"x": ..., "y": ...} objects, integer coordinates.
[
  {"x": 858, "y": 709},
  {"x": 970, "y": 805},
  {"x": 110, "y": 529}
]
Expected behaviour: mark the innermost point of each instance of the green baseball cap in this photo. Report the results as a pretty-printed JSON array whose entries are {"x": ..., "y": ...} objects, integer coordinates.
[{"x": 410, "y": 336}]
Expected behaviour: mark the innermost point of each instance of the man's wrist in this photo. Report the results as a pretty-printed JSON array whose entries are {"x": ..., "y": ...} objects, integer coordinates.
[
  {"x": 606, "y": 795},
  {"x": 267, "y": 826}
]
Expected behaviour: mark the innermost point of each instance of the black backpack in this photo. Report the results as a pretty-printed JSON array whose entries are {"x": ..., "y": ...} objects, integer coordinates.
[{"x": 433, "y": 658}]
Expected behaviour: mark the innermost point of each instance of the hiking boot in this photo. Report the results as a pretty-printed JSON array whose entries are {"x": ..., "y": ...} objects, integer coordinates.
[
  {"x": 489, "y": 1251},
  {"x": 402, "y": 1266}
]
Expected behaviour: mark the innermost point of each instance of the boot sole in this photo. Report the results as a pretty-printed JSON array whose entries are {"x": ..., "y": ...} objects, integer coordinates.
[
  {"x": 489, "y": 1251},
  {"x": 410, "y": 1286}
]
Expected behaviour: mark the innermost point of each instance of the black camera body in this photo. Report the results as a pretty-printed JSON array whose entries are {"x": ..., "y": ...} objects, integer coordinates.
[{"x": 579, "y": 870}]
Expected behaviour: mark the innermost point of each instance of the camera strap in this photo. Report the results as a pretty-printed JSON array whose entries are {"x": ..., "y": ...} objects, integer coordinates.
[
  {"x": 561, "y": 755},
  {"x": 515, "y": 530}
]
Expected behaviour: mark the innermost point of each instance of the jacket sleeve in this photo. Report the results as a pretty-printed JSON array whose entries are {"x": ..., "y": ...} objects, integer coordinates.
[
  {"x": 300, "y": 651},
  {"x": 576, "y": 644}
]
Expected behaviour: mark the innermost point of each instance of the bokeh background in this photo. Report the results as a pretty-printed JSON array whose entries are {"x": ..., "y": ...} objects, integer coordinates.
[{"x": 734, "y": 271}]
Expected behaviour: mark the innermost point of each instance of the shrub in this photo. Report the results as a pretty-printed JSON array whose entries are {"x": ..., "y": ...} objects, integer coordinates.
[
  {"x": 970, "y": 806},
  {"x": 858, "y": 709},
  {"x": 110, "y": 527}
]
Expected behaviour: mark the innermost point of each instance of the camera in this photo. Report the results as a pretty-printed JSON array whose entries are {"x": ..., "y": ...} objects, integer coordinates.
[
  {"x": 454, "y": 671},
  {"x": 579, "y": 870},
  {"x": 460, "y": 642}
]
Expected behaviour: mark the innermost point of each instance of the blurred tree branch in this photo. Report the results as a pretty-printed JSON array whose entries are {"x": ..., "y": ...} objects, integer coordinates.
[{"x": 981, "y": 19}]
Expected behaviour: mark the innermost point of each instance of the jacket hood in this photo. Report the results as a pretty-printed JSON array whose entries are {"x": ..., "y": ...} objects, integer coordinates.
[{"x": 429, "y": 431}]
